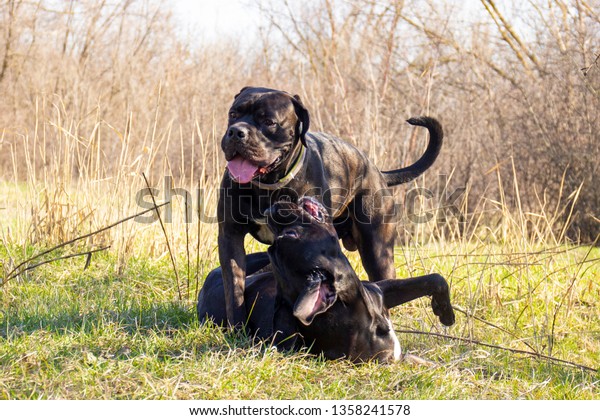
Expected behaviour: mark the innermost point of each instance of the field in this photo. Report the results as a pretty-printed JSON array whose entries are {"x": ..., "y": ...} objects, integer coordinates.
[
  {"x": 101, "y": 333},
  {"x": 97, "y": 295}
]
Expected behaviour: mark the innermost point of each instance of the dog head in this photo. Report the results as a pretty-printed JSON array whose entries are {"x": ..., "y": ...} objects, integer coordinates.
[
  {"x": 264, "y": 130},
  {"x": 305, "y": 249},
  {"x": 344, "y": 316}
]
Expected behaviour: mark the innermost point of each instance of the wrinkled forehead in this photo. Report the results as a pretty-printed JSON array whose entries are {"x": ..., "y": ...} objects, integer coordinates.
[
  {"x": 252, "y": 100},
  {"x": 291, "y": 214}
]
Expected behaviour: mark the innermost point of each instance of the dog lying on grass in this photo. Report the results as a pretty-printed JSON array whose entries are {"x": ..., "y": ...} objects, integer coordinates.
[{"x": 311, "y": 297}]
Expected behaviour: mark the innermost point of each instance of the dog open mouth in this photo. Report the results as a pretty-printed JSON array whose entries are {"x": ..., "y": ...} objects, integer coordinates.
[
  {"x": 312, "y": 207},
  {"x": 243, "y": 170}
]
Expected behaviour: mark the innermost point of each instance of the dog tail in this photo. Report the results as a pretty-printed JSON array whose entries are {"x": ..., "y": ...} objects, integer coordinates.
[{"x": 436, "y": 134}]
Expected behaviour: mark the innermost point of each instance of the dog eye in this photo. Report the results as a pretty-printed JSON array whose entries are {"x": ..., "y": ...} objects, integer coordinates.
[
  {"x": 233, "y": 115},
  {"x": 268, "y": 122},
  {"x": 382, "y": 330}
]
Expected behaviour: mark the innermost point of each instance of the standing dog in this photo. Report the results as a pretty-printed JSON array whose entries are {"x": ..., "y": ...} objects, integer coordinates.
[
  {"x": 272, "y": 155},
  {"x": 312, "y": 297}
]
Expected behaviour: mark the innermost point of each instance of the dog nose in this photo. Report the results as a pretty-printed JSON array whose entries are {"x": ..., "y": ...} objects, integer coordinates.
[{"x": 240, "y": 133}]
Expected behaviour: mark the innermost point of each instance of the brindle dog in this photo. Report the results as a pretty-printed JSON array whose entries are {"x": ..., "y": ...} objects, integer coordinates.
[{"x": 271, "y": 155}]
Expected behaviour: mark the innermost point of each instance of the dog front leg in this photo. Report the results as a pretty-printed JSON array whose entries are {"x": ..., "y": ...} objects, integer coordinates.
[
  {"x": 397, "y": 292},
  {"x": 232, "y": 258}
]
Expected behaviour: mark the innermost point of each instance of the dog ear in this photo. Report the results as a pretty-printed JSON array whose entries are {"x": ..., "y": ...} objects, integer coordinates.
[
  {"x": 303, "y": 118},
  {"x": 243, "y": 89},
  {"x": 316, "y": 298}
]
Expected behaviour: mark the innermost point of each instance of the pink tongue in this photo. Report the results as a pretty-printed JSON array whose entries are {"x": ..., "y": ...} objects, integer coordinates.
[{"x": 241, "y": 170}]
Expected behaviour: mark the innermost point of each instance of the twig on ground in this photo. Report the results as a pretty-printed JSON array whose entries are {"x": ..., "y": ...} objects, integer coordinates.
[
  {"x": 64, "y": 257},
  {"x": 504, "y": 330},
  {"x": 495, "y": 346},
  {"x": 16, "y": 270},
  {"x": 568, "y": 291}
]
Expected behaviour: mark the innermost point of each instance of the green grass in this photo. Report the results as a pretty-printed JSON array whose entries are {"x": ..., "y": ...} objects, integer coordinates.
[{"x": 123, "y": 333}]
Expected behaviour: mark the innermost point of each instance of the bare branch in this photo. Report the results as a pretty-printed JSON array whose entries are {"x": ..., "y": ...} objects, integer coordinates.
[
  {"x": 495, "y": 346},
  {"x": 507, "y": 30},
  {"x": 11, "y": 274}
]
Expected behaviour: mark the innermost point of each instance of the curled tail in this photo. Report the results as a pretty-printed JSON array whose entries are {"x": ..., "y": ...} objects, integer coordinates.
[{"x": 436, "y": 134}]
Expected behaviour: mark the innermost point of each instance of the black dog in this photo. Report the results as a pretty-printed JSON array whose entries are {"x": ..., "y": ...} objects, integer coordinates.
[
  {"x": 312, "y": 297},
  {"x": 272, "y": 155}
]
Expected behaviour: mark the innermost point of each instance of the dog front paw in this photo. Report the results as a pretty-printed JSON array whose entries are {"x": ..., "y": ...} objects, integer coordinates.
[{"x": 443, "y": 309}]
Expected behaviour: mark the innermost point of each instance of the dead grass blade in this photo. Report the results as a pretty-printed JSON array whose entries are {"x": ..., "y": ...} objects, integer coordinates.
[{"x": 162, "y": 226}]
